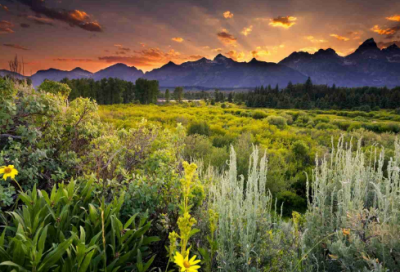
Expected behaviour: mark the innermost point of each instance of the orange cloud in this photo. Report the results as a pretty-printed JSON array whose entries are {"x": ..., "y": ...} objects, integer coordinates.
[
  {"x": 340, "y": 38},
  {"x": 258, "y": 53},
  {"x": 314, "y": 40},
  {"x": 395, "y": 18},
  {"x": 177, "y": 39},
  {"x": 228, "y": 15},
  {"x": 149, "y": 58},
  {"x": 226, "y": 38},
  {"x": 387, "y": 31},
  {"x": 309, "y": 49},
  {"x": 236, "y": 56},
  {"x": 246, "y": 31},
  {"x": 15, "y": 46},
  {"x": 218, "y": 50},
  {"x": 283, "y": 21},
  {"x": 79, "y": 15},
  {"x": 5, "y": 27},
  {"x": 4, "y": 7}
]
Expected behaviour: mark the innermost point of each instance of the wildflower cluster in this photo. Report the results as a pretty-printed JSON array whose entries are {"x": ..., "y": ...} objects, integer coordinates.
[{"x": 185, "y": 224}]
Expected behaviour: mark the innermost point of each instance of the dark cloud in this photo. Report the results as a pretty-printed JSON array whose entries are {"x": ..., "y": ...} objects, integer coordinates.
[
  {"x": 40, "y": 20},
  {"x": 6, "y": 27},
  {"x": 227, "y": 38},
  {"x": 387, "y": 44},
  {"x": 16, "y": 46},
  {"x": 25, "y": 25},
  {"x": 3, "y": 7},
  {"x": 72, "y": 17},
  {"x": 73, "y": 60}
]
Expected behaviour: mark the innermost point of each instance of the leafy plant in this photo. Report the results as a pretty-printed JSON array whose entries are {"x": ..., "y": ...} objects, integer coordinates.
[{"x": 71, "y": 230}]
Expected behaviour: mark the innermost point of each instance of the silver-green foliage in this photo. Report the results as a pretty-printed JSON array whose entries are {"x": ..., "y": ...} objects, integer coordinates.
[
  {"x": 356, "y": 202},
  {"x": 243, "y": 208}
]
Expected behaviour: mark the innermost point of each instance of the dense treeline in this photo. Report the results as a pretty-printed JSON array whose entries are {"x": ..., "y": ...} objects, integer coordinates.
[
  {"x": 113, "y": 90},
  {"x": 308, "y": 96}
]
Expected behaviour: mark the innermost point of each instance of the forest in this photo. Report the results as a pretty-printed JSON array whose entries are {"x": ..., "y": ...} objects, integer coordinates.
[
  {"x": 293, "y": 96},
  {"x": 99, "y": 176}
]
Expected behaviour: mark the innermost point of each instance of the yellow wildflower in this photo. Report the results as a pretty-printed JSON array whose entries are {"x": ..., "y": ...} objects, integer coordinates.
[
  {"x": 346, "y": 232},
  {"x": 185, "y": 264},
  {"x": 8, "y": 172},
  {"x": 333, "y": 257}
]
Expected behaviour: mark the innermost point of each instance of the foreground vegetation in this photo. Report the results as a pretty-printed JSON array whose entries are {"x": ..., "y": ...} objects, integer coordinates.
[{"x": 194, "y": 187}]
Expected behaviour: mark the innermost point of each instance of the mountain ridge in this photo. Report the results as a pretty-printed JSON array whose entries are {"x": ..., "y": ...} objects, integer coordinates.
[{"x": 367, "y": 66}]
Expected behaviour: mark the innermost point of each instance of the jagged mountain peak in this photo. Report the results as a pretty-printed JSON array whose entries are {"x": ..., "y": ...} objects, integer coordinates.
[
  {"x": 326, "y": 52},
  {"x": 392, "y": 48},
  {"x": 369, "y": 44},
  {"x": 80, "y": 70},
  {"x": 170, "y": 64}
]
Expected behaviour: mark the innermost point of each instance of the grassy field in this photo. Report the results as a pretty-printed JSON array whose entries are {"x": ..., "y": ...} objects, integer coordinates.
[{"x": 292, "y": 138}]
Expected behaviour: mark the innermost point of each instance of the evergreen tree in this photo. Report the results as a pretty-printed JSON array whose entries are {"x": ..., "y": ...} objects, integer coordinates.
[
  {"x": 167, "y": 96},
  {"x": 178, "y": 94}
]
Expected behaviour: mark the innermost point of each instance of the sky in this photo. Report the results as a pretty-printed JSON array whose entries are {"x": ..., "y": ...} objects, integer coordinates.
[{"x": 147, "y": 34}]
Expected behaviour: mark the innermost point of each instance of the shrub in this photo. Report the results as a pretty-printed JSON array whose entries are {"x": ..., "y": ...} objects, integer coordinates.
[
  {"x": 325, "y": 126},
  {"x": 321, "y": 119},
  {"x": 44, "y": 135},
  {"x": 222, "y": 140},
  {"x": 397, "y": 111},
  {"x": 258, "y": 114},
  {"x": 55, "y": 88},
  {"x": 249, "y": 234},
  {"x": 196, "y": 147},
  {"x": 278, "y": 121},
  {"x": 354, "y": 211},
  {"x": 201, "y": 128}
]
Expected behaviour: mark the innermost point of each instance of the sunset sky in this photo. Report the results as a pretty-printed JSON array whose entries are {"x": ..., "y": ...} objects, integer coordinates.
[{"x": 149, "y": 33}]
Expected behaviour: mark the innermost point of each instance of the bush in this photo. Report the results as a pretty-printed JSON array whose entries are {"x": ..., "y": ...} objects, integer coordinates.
[
  {"x": 196, "y": 147},
  {"x": 278, "y": 121},
  {"x": 44, "y": 137},
  {"x": 258, "y": 114},
  {"x": 350, "y": 196},
  {"x": 325, "y": 126},
  {"x": 222, "y": 140},
  {"x": 55, "y": 88},
  {"x": 201, "y": 128}
]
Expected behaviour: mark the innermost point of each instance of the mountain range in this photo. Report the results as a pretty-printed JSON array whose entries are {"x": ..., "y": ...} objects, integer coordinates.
[{"x": 367, "y": 66}]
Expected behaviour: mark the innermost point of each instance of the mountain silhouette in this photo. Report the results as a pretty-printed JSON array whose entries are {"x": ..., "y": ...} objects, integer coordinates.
[{"x": 367, "y": 66}]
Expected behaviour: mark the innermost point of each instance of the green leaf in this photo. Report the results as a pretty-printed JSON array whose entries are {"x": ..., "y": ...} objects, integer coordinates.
[
  {"x": 54, "y": 256},
  {"x": 8, "y": 263},
  {"x": 86, "y": 262}
]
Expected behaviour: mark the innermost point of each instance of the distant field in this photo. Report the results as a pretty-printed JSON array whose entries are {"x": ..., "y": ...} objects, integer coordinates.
[{"x": 292, "y": 138}]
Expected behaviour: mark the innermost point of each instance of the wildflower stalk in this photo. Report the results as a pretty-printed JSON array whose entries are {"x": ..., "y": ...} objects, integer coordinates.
[{"x": 185, "y": 224}]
